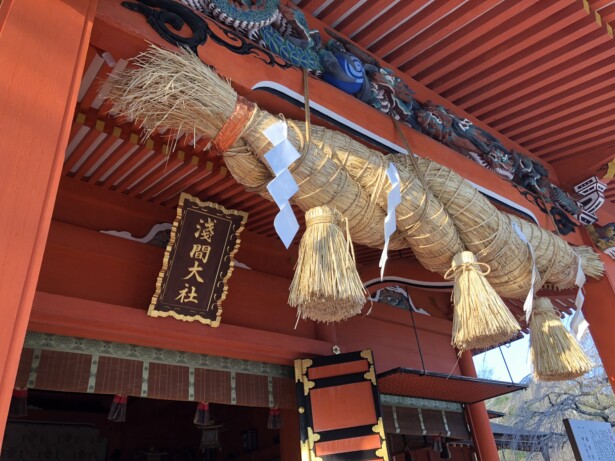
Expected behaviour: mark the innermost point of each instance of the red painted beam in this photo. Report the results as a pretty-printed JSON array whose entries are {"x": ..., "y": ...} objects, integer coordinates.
[
  {"x": 117, "y": 154},
  {"x": 168, "y": 165},
  {"x": 370, "y": 11},
  {"x": 68, "y": 316},
  {"x": 186, "y": 170},
  {"x": 445, "y": 26},
  {"x": 173, "y": 192},
  {"x": 334, "y": 11},
  {"x": 599, "y": 310},
  {"x": 604, "y": 148},
  {"x": 527, "y": 63},
  {"x": 386, "y": 23},
  {"x": 142, "y": 152},
  {"x": 608, "y": 136},
  {"x": 311, "y": 5},
  {"x": 43, "y": 52},
  {"x": 199, "y": 187},
  {"x": 551, "y": 96},
  {"x": 83, "y": 146},
  {"x": 571, "y": 75},
  {"x": 143, "y": 173},
  {"x": 584, "y": 124},
  {"x": 577, "y": 140},
  {"x": 406, "y": 30},
  {"x": 506, "y": 16},
  {"x": 598, "y": 4},
  {"x": 499, "y": 51},
  {"x": 574, "y": 108},
  {"x": 578, "y": 168},
  {"x": 95, "y": 156}
]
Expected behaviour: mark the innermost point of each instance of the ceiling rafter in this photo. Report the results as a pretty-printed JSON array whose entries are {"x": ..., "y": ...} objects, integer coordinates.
[{"x": 541, "y": 72}]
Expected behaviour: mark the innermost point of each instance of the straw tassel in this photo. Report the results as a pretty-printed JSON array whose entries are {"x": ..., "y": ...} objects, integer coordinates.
[
  {"x": 326, "y": 286},
  {"x": 481, "y": 319},
  {"x": 556, "y": 354}
]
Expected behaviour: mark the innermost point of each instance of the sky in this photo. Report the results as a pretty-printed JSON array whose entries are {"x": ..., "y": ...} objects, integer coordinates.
[{"x": 491, "y": 365}]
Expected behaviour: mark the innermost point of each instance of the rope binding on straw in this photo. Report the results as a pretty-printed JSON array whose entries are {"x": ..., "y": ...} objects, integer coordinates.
[
  {"x": 477, "y": 266},
  {"x": 234, "y": 126}
]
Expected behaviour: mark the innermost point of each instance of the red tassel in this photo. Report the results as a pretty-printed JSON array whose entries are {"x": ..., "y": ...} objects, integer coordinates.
[
  {"x": 117, "y": 412},
  {"x": 19, "y": 403},
  {"x": 202, "y": 417},
  {"x": 275, "y": 419},
  {"x": 437, "y": 444}
]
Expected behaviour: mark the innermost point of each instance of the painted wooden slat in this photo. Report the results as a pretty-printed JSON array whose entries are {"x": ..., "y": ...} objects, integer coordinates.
[
  {"x": 522, "y": 27},
  {"x": 532, "y": 43},
  {"x": 492, "y": 20},
  {"x": 407, "y": 30},
  {"x": 569, "y": 43},
  {"x": 438, "y": 31}
]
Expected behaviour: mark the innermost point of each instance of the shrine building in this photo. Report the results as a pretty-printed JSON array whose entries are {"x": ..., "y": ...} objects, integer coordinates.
[{"x": 277, "y": 231}]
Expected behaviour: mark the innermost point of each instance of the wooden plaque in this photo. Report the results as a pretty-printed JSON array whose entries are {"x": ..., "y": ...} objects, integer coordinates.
[
  {"x": 590, "y": 440},
  {"x": 198, "y": 262},
  {"x": 340, "y": 417}
]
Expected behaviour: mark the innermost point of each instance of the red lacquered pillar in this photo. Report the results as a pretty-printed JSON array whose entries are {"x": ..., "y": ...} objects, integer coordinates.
[
  {"x": 43, "y": 48},
  {"x": 482, "y": 435}
]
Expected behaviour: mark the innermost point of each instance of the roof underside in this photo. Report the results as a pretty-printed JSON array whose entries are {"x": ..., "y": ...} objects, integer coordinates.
[
  {"x": 539, "y": 72},
  {"x": 437, "y": 386}
]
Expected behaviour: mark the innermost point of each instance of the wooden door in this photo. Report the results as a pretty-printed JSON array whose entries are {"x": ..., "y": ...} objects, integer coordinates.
[{"x": 339, "y": 408}]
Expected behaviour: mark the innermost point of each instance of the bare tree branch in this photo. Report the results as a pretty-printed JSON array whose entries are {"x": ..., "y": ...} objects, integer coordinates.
[{"x": 544, "y": 405}]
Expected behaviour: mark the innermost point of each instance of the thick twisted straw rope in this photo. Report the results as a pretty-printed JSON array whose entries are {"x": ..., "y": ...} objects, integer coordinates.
[{"x": 176, "y": 91}]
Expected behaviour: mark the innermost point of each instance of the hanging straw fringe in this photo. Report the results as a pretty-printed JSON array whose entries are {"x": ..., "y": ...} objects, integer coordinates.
[
  {"x": 591, "y": 265},
  {"x": 556, "y": 354},
  {"x": 481, "y": 319},
  {"x": 326, "y": 286}
]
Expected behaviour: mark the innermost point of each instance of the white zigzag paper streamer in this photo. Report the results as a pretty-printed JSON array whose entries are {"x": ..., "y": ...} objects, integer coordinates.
[
  {"x": 578, "y": 324},
  {"x": 528, "y": 305},
  {"x": 283, "y": 186},
  {"x": 393, "y": 199}
]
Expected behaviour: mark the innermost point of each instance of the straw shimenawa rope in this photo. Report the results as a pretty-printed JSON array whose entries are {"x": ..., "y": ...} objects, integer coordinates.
[
  {"x": 556, "y": 354},
  {"x": 326, "y": 286},
  {"x": 480, "y": 319},
  {"x": 175, "y": 91}
]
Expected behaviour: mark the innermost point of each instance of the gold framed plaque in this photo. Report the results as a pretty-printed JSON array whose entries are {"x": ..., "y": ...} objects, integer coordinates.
[{"x": 198, "y": 262}]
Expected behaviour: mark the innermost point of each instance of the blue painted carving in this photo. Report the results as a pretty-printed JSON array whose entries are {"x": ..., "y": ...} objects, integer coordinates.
[{"x": 341, "y": 68}]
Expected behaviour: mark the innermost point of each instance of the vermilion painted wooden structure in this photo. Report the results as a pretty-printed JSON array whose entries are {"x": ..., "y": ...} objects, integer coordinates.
[{"x": 61, "y": 275}]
